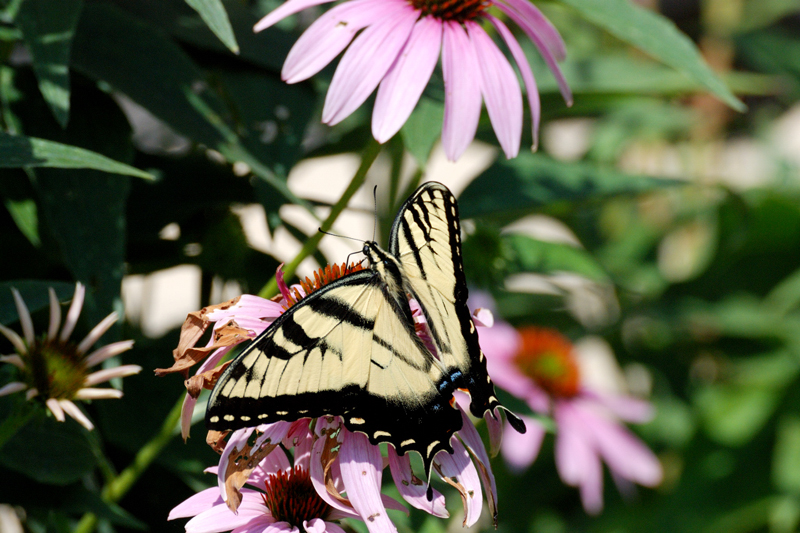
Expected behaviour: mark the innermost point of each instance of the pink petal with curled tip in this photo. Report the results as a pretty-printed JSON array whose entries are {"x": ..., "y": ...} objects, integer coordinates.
[
  {"x": 464, "y": 477},
  {"x": 331, "y": 33},
  {"x": 402, "y": 86},
  {"x": 462, "y": 98},
  {"x": 284, "y": 10},
  {"x": 521, "y": 450},
  {"x": 366, "y": 62},
  {"x": 412, "y": 489},
  {"x": 543, "y": 27},
  {"x": 547, "y": 55},
  {"x": 500, "y": 90},
  {"x": 527, "y": 76},
  {"x": 361, "y": 465}
]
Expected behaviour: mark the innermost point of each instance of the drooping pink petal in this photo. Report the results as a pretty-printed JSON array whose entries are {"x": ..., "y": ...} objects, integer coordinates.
[
  {"x": 500, "y": 90},
  {"x": 107, "y": 351},
  {"x": 361, "y": 465},
  {"x": 547, "y": 55},
  {"x": 494, "y": 426},
  {"x": 11, "y": 388},
  {"x": 196, "y": 504},
  {"x": 290, "y": 7},
  {"x": 365, "y": 63},
  {"x": 72, "y": 410},
  {"x": 402, "y": 86},
  {"x": 527, "y": 76},
  {"x": 462, "y": 99},
  {"x": 577, "y": 462},
  {"x": 521, "y": 450},
  {"x": 464, "y": 477},
  {"x": 622, "y": 451},
  {"x": 543, "y": 27},
  {"x": 411, "y": 488},
  {"x": 330, "y": 34},
  {"x": 627, "y": 408},
  {"x": 55, "y": 315},
  {"x": 24, "y": 317},
  {"x": 324, "y": 429},
  {"x": 74, "y": 312},
  {"x": 97, "y": 332},
  {"x": 15, "y": 339},
  {"x": 472, "y": 440}
]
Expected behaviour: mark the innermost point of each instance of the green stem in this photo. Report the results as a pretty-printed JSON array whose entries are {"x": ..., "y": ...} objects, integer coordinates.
[
  {"x": 370, "y": 154},
  {"x": 115, "y": 489}
]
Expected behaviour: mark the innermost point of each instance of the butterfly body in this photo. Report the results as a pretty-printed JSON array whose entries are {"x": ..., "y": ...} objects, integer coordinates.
[{"x": 351, "y": 348}]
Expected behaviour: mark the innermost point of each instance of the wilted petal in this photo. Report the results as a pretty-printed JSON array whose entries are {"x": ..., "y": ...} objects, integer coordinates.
[
  {"x": 284, "y": 10},
  {"x": 15, "y": 339},
  {"x": 98, "y": 394},
  {"x": 102, "y": 376},
  {"x": 361, "y": 465},
  {"x": 330, "y": 34},
  {"x": 457, "y": 470},
  {"x": 74, "y": 312},
  {"x": 402, "y": 86},
  {"x": 97, "y": 332},
  {"x": 11, "y": 388},
  {"x": 55, "y": 408},
  {"x": 500, "y": 90},
  {"x": 55, "y": 314},
  {"x": 107, "y": 351},
  {"x": 72, "y": 410},
  {"x": 411, "y": 488},
  {"x": 24, "y": 317},
  {"x": 462, "y": 98},
  {"x": 365, "y": 64},
  {"x": 534, "y": 103},
  {"x": 520, "y": 449},
  {"x": 196, "y": 504}
]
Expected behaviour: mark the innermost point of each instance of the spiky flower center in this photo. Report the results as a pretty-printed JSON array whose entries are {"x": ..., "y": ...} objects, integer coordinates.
[
  {"x": 54, "y": 368},
  {"x": 457, "y": 10},
  {"x": 290, "y": 497},
  {"x": 322, "y": 277},
  {"x": 546, "y": 357}
]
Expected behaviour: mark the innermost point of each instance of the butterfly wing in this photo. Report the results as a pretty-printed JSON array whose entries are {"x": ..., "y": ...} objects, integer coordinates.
[
  {"x": 426, "y": 240},
  {"x": 347, "y": 349}
]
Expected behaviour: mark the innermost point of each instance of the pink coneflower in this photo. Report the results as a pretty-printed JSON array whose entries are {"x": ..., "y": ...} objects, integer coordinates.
[
  {"x": 55, "y": 370},
  {"x": 539, "y": 366},
  {"x": 398, "y": 49}
]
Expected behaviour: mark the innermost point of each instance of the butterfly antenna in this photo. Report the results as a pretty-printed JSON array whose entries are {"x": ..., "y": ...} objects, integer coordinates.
[{"x": 337, "y": 235}]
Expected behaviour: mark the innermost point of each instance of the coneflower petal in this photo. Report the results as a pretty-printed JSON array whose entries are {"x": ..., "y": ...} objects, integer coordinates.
[
  {"x": 97, "y": 332},
  {"x": 365, "y": 64},
  {"x": 55, "y": 315},
  {"x": 55, "y": 408},
  {"x": 543, "y": 27},
  {"x": 527, "y": 76},
  {"x": 500, "y": 90},
  {"x": 106, "y": 352},
  {"x": 102, "y": 376},
  {"x": 457, "y": 470},
  {"x": 11, "y": 388},
  {"x": 400, "y": 90},
  {"x": 15, "y": 360},
  {"x": 462, "y": 99},
  {"x": 74, "y": 312},
  {"x": 72, "y": 410},
  {"x": 284, "y": 10},
  {"x": 15, "y": 339},
  {"x": 24, "y": 317},
  {"x": 98, "y": 394}
]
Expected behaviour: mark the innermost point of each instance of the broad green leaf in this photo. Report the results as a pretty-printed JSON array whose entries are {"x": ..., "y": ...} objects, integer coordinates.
[
  {"x": 658, "y": 37},
  {"x": 48, "y": 27},
  {"x": 533, "y": 181},
  {"x": 786, "y": 457},
  {"x": 20, "y": 151},
  {"x": 51, "y": 452},
  {"x": 214, "y": 15},
  {"x": 35, "y": 294},
  {"x": 423, "y": 128},
  {"x": 532, "y": 255}
]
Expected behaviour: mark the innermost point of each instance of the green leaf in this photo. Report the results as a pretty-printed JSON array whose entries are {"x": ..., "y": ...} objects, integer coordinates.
[
  {"x": 214, "y": 15},
  {"x": 656, "y": 36},
  {"x": 533, "y": 181},
  {"x": 56, "y": 453},
  {"x": 26, "y": 218},
  {"x": 35, "y": 294},
  {"x": 423, "y": 128},
  {"x": 532, "y": 255},
  {"x": 20, "y": 151},
  {"x": 48, "y": 27},
  {"x": 734, "y": 415},
  {"x": 786, "y": 457}
]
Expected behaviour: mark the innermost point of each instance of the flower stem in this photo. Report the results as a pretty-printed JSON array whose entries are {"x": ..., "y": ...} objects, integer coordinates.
[
  {"x": 117, "y": 487},
  {"x": 369, "y": 156}
]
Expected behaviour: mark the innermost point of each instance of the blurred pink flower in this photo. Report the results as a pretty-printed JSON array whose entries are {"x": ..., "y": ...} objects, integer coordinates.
[
  {"x": 54, "y": 369},
  {"x": 538, "y": 365},
  {"x": 398, "y": 49}
]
